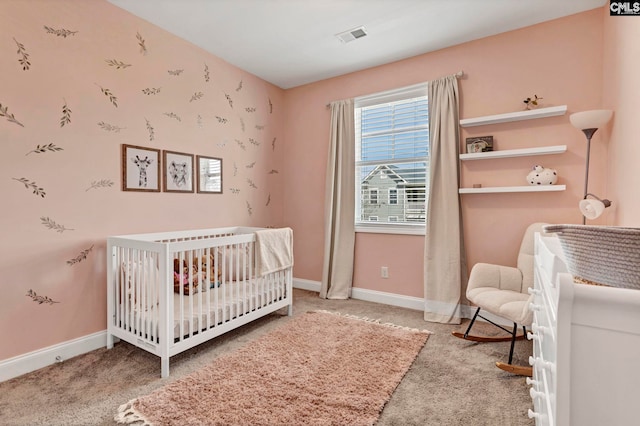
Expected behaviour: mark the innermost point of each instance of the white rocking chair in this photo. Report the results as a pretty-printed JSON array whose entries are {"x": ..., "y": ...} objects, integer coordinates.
[{"x": 503, "y": 291}]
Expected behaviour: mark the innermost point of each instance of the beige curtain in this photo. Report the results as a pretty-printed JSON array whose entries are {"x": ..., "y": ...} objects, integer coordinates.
[
  {"x": 445, "y": 273},
  {"x": 337, "y": 270}
]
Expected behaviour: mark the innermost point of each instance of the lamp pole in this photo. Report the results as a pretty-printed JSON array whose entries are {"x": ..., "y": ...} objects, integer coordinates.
[{"x": 588, "y": 133}]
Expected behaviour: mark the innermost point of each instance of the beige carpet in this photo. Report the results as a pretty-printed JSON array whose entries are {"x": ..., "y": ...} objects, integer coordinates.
[
  {"x": 452, "y": 382},
  {"x": 321, "y": 368}
]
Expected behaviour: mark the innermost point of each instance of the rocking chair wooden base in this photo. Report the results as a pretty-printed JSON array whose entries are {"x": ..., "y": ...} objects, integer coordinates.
[
  {"x": 519, "y": 370},
  {"x": 485, "y": 339}
]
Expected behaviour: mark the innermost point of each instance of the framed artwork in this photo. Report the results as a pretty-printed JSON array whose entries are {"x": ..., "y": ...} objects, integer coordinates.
[
  {"x": 209, "y": 174},
  {"x": 177, "y": 172},
  {"x": 140, "y": 168},
  {"x": 479, "y": 144}
]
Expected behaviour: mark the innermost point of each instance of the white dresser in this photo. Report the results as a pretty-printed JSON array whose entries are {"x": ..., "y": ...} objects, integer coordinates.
[{"x": 586, "y": 349}]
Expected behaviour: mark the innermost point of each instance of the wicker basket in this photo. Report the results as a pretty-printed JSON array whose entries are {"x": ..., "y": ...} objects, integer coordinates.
[{"x": 607, "y": 255}]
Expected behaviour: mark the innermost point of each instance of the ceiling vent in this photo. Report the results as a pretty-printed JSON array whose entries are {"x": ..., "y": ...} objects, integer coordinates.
[{"x": 352, "y": 34}]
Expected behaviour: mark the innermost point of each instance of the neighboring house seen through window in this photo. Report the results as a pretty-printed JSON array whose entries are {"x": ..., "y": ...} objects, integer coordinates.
[{"x": 392, "y": 148}]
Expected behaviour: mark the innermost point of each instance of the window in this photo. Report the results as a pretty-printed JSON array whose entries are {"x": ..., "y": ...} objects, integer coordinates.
[
  {"x": 392, "y": 144},
  {"x": 393, "y": 196},
  {"x": 373, "y": 196}
]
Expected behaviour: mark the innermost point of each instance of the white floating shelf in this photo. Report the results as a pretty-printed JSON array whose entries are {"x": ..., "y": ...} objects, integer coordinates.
[
  {"x": 514, "y": 116},
  {"x": 528, "y": 188},
  {"x": 543, "y": 150}
]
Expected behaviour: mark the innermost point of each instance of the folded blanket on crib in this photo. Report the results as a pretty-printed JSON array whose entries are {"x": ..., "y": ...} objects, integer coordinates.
[{"x": 274, "y": 250}]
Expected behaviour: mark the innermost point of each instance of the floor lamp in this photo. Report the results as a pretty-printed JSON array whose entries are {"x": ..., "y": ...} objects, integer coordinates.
[{"x": 589, "y": 122}]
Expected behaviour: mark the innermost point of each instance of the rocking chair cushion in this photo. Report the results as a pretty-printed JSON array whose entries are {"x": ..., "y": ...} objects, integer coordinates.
[{"x": 508, "y": 304}]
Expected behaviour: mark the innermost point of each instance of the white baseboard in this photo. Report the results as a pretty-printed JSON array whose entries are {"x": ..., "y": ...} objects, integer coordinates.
[
  {"x": 409, "y": 302},
  {"x": 22, "y": 364},
  {"x": 375, "y": 296}
]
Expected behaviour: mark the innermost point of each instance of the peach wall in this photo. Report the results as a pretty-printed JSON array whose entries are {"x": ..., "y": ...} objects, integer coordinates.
[
  {"x": 620, "y": 92},
  {"x": 558, "y": 60},
  {"x": 72, "y": 70}
]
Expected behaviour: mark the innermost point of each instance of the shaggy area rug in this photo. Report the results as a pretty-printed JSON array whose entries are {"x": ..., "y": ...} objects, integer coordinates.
[{"x": 320, "y": 368}]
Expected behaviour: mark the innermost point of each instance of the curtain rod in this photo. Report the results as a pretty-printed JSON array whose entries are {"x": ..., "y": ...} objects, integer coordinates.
[{"x": 459, "y": 74}]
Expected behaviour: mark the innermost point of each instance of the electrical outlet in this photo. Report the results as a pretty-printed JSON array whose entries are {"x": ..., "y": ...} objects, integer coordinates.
[{"x": 384, "y": 272}]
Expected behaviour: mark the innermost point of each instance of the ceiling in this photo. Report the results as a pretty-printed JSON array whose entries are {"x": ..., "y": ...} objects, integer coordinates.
[{"x": 292, "y": 42}]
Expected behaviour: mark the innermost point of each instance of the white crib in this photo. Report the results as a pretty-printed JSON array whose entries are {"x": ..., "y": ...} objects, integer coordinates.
[{"x": 216, "y": 289}]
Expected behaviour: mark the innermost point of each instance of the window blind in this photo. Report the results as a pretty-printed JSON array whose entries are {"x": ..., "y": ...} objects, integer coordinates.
[{"x": 392, "y": 149}]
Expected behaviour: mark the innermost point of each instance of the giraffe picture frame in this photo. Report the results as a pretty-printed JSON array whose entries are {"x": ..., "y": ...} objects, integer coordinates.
[{"x": 140, "y": 168}]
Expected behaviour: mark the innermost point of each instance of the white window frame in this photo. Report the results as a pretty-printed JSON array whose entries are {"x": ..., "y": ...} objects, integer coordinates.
[
  {"x": 371, "y": 192},
  {"x": 394, "y": 190},
  {"x": 388, "y": 228}
]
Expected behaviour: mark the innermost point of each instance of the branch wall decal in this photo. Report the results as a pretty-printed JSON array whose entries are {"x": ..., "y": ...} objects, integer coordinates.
[
  {"x": 24, "y": 56},
  {"x": 40, "y": 149},
  {"x": 111, "y": 96},
  {"x": 66, "y": 114},
  {"x": 175, "y": 72},
  {"x": 4, "y": 112},
  {"x": 50, "y": 224},
  {"x": 110, "y": 127},
  {"x": 31, "y": 185},
  {"x": 79, "y": 258},
  {"x": 118, "y": 64},
  {"x": 172, "y": 115},
  {"x": 103, "y": 183},
  {"x": 61, "y": 32},
  {"x": 206, "y": 73},
  {"x": 143, "y": 47},
  {"x": 152, "y": 133},
  {"x": 196, "y": 96},
  {"x": 151, "y": 90},
  {"x": 40, "y": 299}
]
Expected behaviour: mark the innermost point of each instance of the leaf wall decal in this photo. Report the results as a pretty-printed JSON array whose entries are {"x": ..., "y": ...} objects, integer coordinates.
[
  {"x": 4, "y": 112},
  {"x": 40, "y": 149},
  {"x": 40, "y": 299},
  {"x": 31, "y": 185},
  {"x": 61, "y": 32},
  {"x": 24, "y": 56}
]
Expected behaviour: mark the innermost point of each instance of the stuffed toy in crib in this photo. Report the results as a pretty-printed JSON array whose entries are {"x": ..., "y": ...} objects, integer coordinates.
[
  {"x": 199, "y": 273},
  {"x": 181, "y": 276},
  {"x": 203, "y": 266}
]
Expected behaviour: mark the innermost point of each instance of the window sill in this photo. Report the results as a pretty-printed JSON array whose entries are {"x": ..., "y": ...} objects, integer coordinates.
[{"x": 391, "y": 229}]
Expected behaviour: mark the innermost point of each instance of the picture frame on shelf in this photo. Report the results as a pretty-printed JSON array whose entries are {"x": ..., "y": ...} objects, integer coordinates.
[
  {"x": 479, "y": 144},
  {"x": 209, "y": 175},
  {"x": 177, "y": 172},
  {"x": 140, "y": 168}
]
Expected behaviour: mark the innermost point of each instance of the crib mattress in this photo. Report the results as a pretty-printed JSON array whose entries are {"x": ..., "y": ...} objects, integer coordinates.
[{"x": 225, "y": 302}]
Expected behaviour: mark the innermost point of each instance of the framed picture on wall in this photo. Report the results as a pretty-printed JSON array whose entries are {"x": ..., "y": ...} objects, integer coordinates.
[
  {"x": 177, "y": 172},
  {"x": 140, "y": 168},
  {"x": 209, "y": 174},
  {"x": 479, "y": 144}
]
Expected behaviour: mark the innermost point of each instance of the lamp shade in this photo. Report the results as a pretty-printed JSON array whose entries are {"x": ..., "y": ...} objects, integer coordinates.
[
  {"x": 592, "y": 209},
  {"x": 593, "y": 119}
]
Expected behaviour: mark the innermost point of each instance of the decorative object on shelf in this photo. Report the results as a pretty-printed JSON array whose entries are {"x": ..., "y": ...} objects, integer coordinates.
[
  {"x": 589, "y": 122},
  {"x": 532, "y": 103},
  {"x": 479, "y": 144},
  {"x": 592, "y": 209},
  {"x": 539, "y": 175}
]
